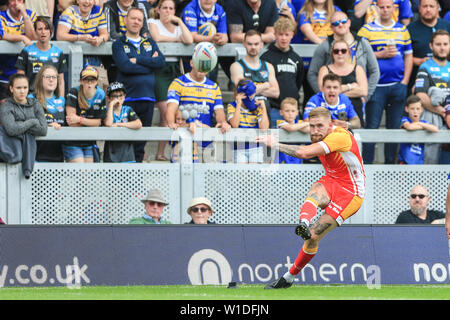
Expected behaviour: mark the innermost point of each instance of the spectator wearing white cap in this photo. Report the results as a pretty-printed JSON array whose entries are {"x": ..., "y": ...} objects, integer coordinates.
[
  {"x": 154, "y": 206},
  {"x": 200, "y": 210}
]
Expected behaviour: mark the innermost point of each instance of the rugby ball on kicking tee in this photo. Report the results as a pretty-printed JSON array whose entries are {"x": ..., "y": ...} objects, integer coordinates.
[
  {"x": 204, "y": 57},
  {"x": 207, "y": 29}
]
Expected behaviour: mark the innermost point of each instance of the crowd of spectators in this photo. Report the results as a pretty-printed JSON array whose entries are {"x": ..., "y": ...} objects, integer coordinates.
[{"x": 371, "y": 56}]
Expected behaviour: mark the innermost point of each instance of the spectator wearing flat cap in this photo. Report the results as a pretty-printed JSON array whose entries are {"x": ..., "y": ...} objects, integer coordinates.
[
  {"x": 200, "y": 210},
  {"x": 154, "y": 206}
]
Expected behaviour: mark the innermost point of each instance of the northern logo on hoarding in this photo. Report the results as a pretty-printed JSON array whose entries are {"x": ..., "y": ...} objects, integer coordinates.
[{"x": 209, "y": 266}]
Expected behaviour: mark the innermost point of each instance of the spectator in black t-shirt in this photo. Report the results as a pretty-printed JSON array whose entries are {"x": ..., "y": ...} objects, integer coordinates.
[
  {"x": 244, "y": 15},
  {"x": 3, "y": 5},
  {"x": 418, "y": 212},
  {"x": 288, "y": 66},
  {"x": 445, "y": 6}
]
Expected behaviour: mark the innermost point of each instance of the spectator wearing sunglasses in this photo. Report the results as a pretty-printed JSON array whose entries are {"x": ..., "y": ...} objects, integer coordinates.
[
  {"x": 243, "y": 15},
  {"x": 391, "y": 44},
  {"x": 200, "y": 210},
  {"x": 360, "y": 50},
  {"x": 314, "y": 20},
  {"x": 353, "y": 76},
  {"x": 314, "y": 28},
  {"x": 368, "y": 10},
  {"x": 419, "y": 212},
  {"x": 154, "y": 207}
]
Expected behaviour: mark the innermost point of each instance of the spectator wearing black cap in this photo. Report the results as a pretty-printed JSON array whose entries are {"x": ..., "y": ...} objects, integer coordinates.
[
  {"x": 154, "y": 206},
  {"x": 119, "y": 115},
  {"x": 85, "y": 107}
]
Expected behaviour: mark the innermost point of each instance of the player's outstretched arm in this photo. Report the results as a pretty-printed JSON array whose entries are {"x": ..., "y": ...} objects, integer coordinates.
[
  {"x": 303, "y": 152},
  {"x": 309, "y": 151}
]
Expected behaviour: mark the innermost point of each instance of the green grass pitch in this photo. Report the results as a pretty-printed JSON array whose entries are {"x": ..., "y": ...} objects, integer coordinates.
[{"x": 243, "y": 292}]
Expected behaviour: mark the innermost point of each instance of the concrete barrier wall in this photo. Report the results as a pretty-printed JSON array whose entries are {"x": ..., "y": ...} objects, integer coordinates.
[{"x": 182, "y": 254}]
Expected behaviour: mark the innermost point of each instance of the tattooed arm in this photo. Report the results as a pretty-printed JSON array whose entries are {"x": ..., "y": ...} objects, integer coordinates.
[
  {"x": 290, "y": 150},
  {"x": 303, "y": 152},
  {"x": 237, "y": 33}
]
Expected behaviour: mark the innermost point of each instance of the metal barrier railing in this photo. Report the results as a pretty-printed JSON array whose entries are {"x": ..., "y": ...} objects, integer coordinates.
[
  {"x": 17, "y": 199},
  {"x": 76, "y": 51},
  {"x": 185, "y": 139}
]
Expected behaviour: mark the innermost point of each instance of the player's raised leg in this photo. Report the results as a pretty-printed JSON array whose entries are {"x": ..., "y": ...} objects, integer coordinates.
[
  {"x": 318, "y": 230},
  {"x": 316, "y": 197}
]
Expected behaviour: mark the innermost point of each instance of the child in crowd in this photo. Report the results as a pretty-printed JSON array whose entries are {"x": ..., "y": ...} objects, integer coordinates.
[
  {"x": 181, "y": 122},
  {"x": 289, "y": 111},
  {"x": 413, "y": 153},
  {"x": 247, "y": 112},
  {"x": 118, "y": 115}
]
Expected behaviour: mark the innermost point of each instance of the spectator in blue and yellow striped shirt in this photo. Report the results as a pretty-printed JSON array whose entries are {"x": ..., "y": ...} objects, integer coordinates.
[
  {"x": 86, "y": 22},
  {"x": 247, "y": 112},
  {"x": 391, "y": 43}
]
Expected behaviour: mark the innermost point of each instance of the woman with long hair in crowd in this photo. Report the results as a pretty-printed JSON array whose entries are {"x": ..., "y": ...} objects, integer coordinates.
[
  {"x": 314, "y": 27},
  {"x": 85, "y": 21},
  {"x": 23, "y": 116},
  {"x": 354, "y": 79},
  {"x": 46, "y": 91},
  {"x": 314, "y": 20},
  {"x": 19, "y": 113},
  {"x": 85, "y": 107},
  {"x": 165, "y": 26}
]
